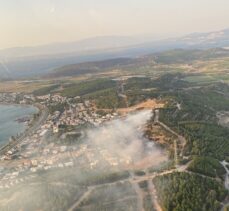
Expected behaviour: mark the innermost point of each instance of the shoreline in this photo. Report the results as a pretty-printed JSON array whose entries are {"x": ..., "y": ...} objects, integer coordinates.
[{"x": 10, "y": 143}]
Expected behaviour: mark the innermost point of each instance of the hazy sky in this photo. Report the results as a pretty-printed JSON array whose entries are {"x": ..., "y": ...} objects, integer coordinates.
[{"x": 33, "y": 22}]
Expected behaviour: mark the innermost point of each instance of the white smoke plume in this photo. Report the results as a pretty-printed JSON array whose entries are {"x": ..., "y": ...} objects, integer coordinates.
[
  {"x": 107, "y": 147},
  {"x": 123, "y": 138}
]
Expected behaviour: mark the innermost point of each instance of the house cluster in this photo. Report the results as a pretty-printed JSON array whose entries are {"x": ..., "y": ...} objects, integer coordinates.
[
  {"x": 72, "y": 112},
  {"x": 38, "y": 157},
  {"x": 67, "y": 111},
  {"x": 34, "y": 153},
  {"x": 51, "y": 99},
  {"x": 113, "y": 160},
  {"x": 81, "y": 113},
  {"x": 8, "y": 97},
  {"x": 17, "y": 98}
]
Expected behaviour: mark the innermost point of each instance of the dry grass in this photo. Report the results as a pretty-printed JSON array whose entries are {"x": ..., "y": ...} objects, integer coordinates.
[
  {"x": 149, "y": 104},
  {"x": 19, "y": 86}
]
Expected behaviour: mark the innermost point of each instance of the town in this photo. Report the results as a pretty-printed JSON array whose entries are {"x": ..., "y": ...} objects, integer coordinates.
[{"x": 35, "y": 152}]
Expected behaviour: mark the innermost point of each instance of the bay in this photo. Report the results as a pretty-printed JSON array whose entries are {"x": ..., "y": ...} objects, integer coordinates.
[{"x": 9, "y": 126}]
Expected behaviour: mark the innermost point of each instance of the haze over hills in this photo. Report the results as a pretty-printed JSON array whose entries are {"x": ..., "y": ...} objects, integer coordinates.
[
  {"x": 82, "y": 46},
  {"x": 196, "y": 40},
  {"x": 22, "y": 62},
  {"x": 215, "y": 39},
  {"x": 175, "y": 56},
  {"x": 37, "y": 61}
]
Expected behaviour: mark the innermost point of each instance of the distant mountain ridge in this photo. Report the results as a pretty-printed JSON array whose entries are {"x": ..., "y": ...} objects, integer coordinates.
[
  {"x": 216, "y": 39},
  {"x": 211, "y": 39},
  {"x": 168, "y": 57},
  {"x": 42, "y": 60},
  {"x": 83, "y": 46},
  {"x": 195, "y": 40}
]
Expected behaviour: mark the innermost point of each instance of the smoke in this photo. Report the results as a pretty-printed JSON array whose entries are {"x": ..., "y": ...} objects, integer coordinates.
[
  {"x": 115, "y": 147},
  {"x": 124, "y": 140},
  {"x": 223, "y": 118}
]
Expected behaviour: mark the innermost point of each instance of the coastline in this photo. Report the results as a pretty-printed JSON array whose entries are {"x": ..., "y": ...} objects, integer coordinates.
[
  {"x": 29, "y": 127},
  {"x": 18, "y": 104}
]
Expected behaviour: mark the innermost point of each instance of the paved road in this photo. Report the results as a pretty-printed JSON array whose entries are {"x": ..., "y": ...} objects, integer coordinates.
[
  {"x": 138, "y": 192},
  {"x": 153, "y": 193},
  {"x": 181, "y": 139},
  {"x": 148, "y": 177},
  {"x": 78, "y": 202},
  {"x": 224, "y": 163}
]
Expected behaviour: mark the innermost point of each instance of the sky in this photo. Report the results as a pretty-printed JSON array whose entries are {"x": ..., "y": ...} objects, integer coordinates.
[{"x": 36, "y": 22}]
